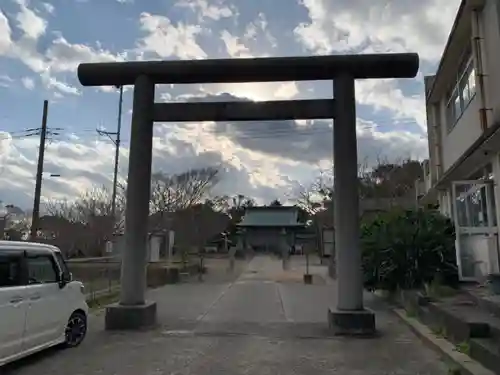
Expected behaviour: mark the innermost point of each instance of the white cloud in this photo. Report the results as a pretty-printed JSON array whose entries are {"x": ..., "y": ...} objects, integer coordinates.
[
  {"x": 385, "y": 94},
  {"x": 286, "y": 90},
  {"x": 234, "y": 47},
  {"x": 5, "y": 81},
  {"x": 205, "y": 10},
  {"x": 28, "y": 83},
  {"x": 168, "y": 40},
  {"x": 63, "y": 56},
  {"x": 49, "y": 8},
  {"x": 60, "y": 56},
  {"x": 261, "y": 159},
  {"x": 32, "y": 25},
  {"x": 5, "y": 34},
  {"x": 259, "y": 27},
  {"x": 63, "y": 87},
  {"x": 390, "y": 25}
]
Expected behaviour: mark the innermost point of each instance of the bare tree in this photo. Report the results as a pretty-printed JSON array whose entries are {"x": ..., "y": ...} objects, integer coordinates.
[
  {"x": 197, "y": 224},
  {"x": 384, "y": 180},
  {"x": 313, "y": 197},
  {"x": 275, "y": 203},
  {"x": 170, "y": 193},
  {"x": 85, "y": 223},
  {"x": 219, "y": 203},
  {"x": 92, "y": 203}
]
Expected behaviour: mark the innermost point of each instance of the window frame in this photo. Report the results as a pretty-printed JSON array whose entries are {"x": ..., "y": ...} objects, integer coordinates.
[
  {"x": 61, "y": 264},
  {"x": 466, "y": 74}
]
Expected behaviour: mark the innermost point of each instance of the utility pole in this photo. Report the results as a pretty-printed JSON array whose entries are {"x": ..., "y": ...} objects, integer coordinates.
[
  {"x": 116, "y": 141},
  {"x": 39, "y": 174}
]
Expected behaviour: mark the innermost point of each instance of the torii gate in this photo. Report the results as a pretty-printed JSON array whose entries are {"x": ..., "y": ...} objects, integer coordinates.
[{"x": 348, "y": 316}]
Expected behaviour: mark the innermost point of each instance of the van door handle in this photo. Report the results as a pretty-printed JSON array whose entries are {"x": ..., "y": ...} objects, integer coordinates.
[
  {"x": 35, "y": 297},
  {"x": 16, "y": 299}
]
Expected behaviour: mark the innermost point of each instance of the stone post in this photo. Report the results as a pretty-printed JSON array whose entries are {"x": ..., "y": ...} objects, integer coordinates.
[
  {"x": 133, "y": 312},
  {"x": 285, "y": 249},
  {"x": 349, "y": 317}
]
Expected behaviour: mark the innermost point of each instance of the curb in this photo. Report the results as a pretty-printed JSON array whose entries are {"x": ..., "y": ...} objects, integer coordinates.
[{"x": 465, "y": 364}]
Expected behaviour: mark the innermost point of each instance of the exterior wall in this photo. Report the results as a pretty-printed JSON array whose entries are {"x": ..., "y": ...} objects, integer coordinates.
[
  {"x": 479, "y": 30},
  {"x": 490, "y": 27},
  {"x": 495, "y": 166},
  {"x": 482, "y": 35},
  {"x": 466, "y": 130},
  {"x": 478, "y": 250},
  {"x": 445, "y": 206},
  {"x": 432, "y": 141}
]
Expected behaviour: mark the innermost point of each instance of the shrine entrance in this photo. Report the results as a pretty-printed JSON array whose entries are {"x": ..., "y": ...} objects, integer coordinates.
[{"x": 349, "y": 315}]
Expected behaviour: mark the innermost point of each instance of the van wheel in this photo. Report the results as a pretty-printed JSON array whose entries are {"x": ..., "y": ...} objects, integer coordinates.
[{"x": 76, "y": 329}]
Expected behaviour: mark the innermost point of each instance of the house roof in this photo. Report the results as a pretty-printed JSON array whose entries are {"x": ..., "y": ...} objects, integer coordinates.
[{"x": 284, "y": 216}]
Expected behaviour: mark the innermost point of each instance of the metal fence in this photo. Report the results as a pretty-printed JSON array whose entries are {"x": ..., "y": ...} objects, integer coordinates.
[{"x": 101, "y": 276}]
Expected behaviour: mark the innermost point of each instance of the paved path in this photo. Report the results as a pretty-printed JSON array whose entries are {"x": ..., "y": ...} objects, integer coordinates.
[{"x": 264, "y": 322}]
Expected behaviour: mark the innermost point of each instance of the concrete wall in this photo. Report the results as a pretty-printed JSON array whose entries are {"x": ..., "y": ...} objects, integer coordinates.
[
  {"x": 478, "y": 255},
  {"x": 466, "y": 130},
  {"x": 490, "y": 22},
  {"x": 434, "y": 136},
  {"x": 478, "y": 251},
  {"x": 444, "y": 199}
]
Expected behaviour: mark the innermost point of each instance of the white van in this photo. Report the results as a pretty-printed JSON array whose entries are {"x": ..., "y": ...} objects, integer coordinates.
[{"x": 40, "y": 305}]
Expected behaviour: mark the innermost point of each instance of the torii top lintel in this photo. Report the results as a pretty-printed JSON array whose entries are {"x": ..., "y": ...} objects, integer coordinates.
[{"x": 268, "y": 69}]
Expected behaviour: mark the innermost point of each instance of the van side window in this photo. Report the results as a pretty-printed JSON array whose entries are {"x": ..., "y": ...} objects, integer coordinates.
[
  {"x": 42, "y": 269},
  {"x": 10, "y": 270}
]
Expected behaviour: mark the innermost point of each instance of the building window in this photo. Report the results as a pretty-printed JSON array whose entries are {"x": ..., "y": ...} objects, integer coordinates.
[{"x": 462, "y": 92}]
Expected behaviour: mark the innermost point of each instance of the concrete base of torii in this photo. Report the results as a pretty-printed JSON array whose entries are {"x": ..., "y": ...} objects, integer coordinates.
[{"x": 119, "y": 317}]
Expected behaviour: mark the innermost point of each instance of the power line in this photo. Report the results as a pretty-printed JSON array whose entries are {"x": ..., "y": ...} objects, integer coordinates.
[{"x": 251, "y": 133}]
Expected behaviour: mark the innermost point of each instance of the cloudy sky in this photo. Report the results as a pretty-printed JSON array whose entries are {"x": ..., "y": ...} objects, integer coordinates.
[{"x": 42, "y": 43}]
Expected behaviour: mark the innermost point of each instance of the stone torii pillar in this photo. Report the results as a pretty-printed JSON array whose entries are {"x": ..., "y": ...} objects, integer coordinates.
[{"x": 349, "y": 315}]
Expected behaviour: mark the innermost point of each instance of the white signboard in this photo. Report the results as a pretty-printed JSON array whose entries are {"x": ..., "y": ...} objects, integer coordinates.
[{"x": 109, "y": 247}]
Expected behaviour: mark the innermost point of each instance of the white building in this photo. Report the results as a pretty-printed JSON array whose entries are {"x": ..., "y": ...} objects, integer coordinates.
[{"x": 463, "y": 121}]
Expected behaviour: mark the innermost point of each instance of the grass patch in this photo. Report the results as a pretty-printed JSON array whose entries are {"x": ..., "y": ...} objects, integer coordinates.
[
  {"x": 101, "y": 301},
  {"x": 435, "y": 290},
  {"x": 439, "y": 331},
  {"x": 463, "y": 347},
  {"x": 454, "y": 371},
  {"x": 411, "y": 312}
]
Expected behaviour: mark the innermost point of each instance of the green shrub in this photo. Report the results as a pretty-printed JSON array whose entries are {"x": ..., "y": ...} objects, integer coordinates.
[{"x": 406, "y": 249}]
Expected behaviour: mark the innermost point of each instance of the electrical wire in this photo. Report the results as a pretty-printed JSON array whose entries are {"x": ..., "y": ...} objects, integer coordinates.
[{"x": 253, "y": 133}]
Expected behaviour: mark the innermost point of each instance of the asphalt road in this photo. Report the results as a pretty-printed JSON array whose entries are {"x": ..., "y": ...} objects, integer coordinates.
[{"x": 263, "y": 322}]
